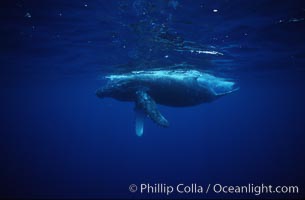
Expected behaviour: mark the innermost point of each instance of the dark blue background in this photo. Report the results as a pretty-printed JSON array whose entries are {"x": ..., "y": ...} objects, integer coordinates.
[{"x": 59, "y": 140}]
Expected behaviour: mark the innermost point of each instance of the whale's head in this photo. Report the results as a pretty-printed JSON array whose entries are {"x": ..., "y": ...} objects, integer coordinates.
[
  {"x": 218, "y": 86},
  {"x": 102, "y": 93},
  {"x": 119, "y": 90}
]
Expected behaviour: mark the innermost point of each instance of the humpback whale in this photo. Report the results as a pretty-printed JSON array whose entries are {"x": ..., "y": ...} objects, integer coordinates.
[{"x": 176, "y": 88}]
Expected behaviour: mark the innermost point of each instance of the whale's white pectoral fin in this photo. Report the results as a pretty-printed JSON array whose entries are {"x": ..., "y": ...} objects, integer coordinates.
[
  {"x": 146, "y": 104},
  {"x": 139, "y": 122}
]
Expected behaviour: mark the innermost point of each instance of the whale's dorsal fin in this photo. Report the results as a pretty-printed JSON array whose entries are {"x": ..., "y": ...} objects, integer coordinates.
[{"x": 145, "y": 104}]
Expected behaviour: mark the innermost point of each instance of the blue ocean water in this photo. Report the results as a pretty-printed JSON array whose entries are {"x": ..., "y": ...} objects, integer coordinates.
[{"x": 58, "y": 140}]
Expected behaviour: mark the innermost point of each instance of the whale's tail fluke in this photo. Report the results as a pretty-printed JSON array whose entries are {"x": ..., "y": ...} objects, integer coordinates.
[{"x": 228, "y": 92}]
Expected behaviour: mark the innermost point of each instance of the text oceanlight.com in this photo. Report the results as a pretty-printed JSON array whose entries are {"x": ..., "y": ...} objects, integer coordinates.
[{"x": 194, "y": 188}]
